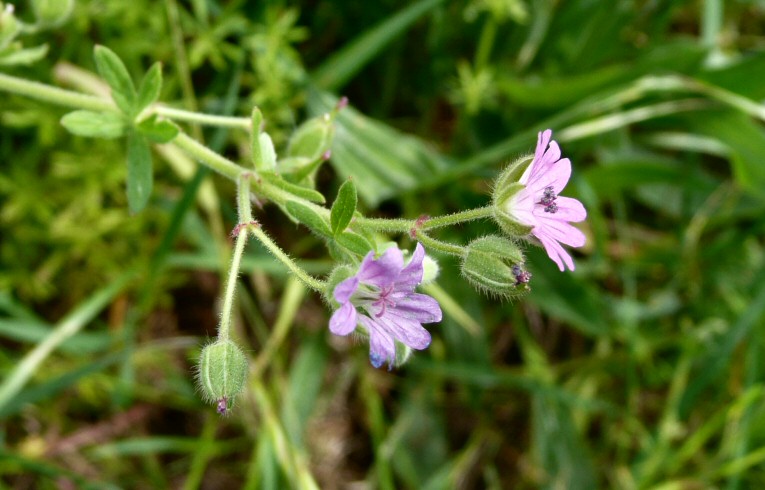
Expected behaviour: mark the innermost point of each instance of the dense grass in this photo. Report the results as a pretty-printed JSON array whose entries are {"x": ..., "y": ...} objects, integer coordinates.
[{"x": 642, "y": 369}]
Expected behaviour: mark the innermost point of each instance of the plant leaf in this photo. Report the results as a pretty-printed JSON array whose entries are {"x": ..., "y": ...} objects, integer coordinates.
[
  {"x": 157, "y": 130},
  {"x": 343, "y": 208},
  {"x": 309, "y": 218},
  {"x": 113, "y": 70},
  {"x": 139, "y": 174},
  {"x": 148, "y": 91},
  {"x": 108, "y": 125},
  {"x": 354, "y": 242}
]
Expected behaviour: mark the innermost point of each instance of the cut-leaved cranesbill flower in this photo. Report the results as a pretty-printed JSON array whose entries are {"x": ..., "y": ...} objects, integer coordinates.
[
  {"x": 533, "y": 204},
  {"x": 380, "y": 298}
]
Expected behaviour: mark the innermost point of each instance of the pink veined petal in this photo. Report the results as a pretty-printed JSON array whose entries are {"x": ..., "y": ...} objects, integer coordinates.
[
  {"x": 570, "y": 209},
  {"x": 343, "y": 320},
  {"x": 345, "y": 289},
  {"x": 382, "y": 348},
  {"x": 557, "y": 253},
  {"x": 383, "y": 271},
  {"x": 556, "y": 175},
  {"x": 411, "y": 275},
  {"x": 521, "y": 207},
  {"x": 409, "y": 332},
  {"x": 543, "y": 139},
  {"x": 560, "y": 231},
  {"x": 418, "y": 307}
]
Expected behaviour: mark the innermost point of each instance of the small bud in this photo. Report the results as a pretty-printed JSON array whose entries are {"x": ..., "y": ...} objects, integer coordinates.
[
  {"x": 222, "y": 373},
  {"x": 505, "y": 187},
  {"x": 313, "y": 138},
  {"x": 52, "y": 13},
  {"x": 9, "y": 25},
  {"x": 495, "y": 264},
  {"x": 430, "y": 270}
]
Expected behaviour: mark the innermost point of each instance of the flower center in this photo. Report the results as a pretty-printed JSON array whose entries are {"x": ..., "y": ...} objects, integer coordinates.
[
  {"x": 548, "y": 200},
  {"x": 383, "y": 301}
]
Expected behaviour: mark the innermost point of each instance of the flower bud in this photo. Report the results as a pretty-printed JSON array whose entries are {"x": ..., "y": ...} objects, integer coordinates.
[
  {"x": 313, "y": 138},
  {"x": 495, "y": 265},
  {"x": 52, "y": 13},
  {"x": 430, "y": 270},
  {"x": 505, "y": 187},
  {"x": 9, "y": 25},
  {"x": 222, "y": 373}
]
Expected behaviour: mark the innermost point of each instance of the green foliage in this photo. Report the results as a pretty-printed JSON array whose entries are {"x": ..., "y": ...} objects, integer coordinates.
[
  {"x": 643, "y": 369},
  {"x": 343, "y": 208}
]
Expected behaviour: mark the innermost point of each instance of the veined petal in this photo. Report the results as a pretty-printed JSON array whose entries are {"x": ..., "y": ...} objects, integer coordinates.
[
  {"x": 406, "y": 331},
  {"x": 543, "y": 139},
  {"x": 556, "y": 175},
  {"x": 345, "y": 289},
  {"x": 383, "y": 271},
  {"x": 382, "y": 348},
  {"x": 557, "y": 253},
  {"x": 418, "y": 307},
  {"x": 570, "y": 209},
  {"x": 343, "y": 320},
  {"x": 411, "y": 275},
  {"x": 560, "y": 231}
]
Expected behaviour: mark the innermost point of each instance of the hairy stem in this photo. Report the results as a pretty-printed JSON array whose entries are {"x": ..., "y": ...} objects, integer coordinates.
[
  {"x": 233, "y": 273},
  {"x": 277, "y": 252}
]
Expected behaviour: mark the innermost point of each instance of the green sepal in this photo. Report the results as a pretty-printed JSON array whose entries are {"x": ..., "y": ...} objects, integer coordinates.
[
  {"x": 157, "y": 130},
  {"x": 150, "y": 87},
  {"x": 139, "y": 171},
  {"x": 107, "y": 125},
  {"x": 299, "y": 191},
  {"x": 505, "y": 187},
  {"x": 113, "y": 71},
  {"x": 488, "y": 266},
  {"x": 309, "y": 218},
  {"x": 343, "y": 208},
  {"x": 299, "y": 169}
]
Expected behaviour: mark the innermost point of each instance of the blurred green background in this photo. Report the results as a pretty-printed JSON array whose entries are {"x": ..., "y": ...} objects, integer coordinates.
[{"x": 643, "y": 369}]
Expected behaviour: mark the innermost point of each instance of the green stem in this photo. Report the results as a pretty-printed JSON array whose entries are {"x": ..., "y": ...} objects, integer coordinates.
[
  {"x": 233, "y": 273},
  {"x": 277, "y": 252},
  {"x": 207, "y": 157},
  {"x": 243, "y": 198},
  {"x": 456, "y": 218},
  {"x": 53, "y": 95},
  {"x": 205, "y": 119},
  {"x": 440, "y": 246},
  {"x": 385, "y": 225}
]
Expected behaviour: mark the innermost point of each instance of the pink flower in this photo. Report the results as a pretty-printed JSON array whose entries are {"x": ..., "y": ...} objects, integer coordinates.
[
  {"x": 380, "y": 297},
  {"x": 540, "y": 206}
]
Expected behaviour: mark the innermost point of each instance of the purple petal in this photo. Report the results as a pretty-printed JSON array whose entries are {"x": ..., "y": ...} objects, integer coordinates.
[
  {"x": 409, "y": 332},
  {"x": 418, "y": 307},
  {"x": 560, "y": 231},
  {"x": 556, "y": 174},
  {"x": 543, "y": 139},
  {"x": 570, "y": 209},
  {"x": 382, "y": 348},
  {"x": 345, "y": 289},
  {"x": 557, "y": 253},
  {"x": 383, "y": 271},
  {"x": 343, "y": 320},
  {"x": 411, "y": 275}
]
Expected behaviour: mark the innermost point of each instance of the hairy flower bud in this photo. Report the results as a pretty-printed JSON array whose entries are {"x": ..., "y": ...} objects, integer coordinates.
[
  {"x": 52, "y": 13},
  {"x": 222, "y": 373},
  {"x": 505, "y": 187},
  {"x": 308, "y": 147},
  {"x": 495, "y": 265}
]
